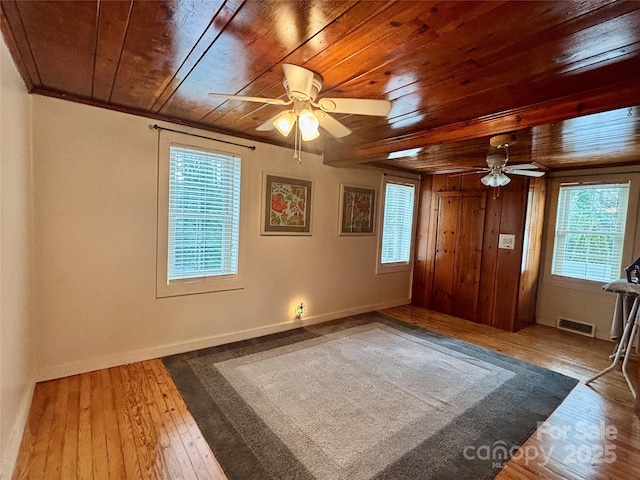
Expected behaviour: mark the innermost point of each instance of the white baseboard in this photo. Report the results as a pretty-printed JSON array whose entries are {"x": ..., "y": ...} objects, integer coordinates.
[
  {"x": 544, "y": 321},
  {"x": 10, "y": 454},
  {"x": 97, "y": 363},
  {"x": 602, "y": 334}
]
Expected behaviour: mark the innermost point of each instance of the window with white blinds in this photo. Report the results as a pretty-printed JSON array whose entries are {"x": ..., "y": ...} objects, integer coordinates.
[
  {"x": 397, "y": 225},
  {"x": 589, "y": 232},
  {"x": 204, "y": 214}
]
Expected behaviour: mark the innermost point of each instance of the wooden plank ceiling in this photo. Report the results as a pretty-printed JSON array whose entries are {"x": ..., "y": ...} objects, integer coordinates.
[{"x": 455, "y": 72}]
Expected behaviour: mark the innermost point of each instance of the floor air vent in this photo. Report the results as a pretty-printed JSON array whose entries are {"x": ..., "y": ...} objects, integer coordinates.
[{"x": 586, "y": 329}]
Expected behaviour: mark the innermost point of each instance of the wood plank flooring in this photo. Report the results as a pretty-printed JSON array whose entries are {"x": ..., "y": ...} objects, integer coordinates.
[
  {"x": 126, "y": 422},
  {"x": 130, "y": 422}
]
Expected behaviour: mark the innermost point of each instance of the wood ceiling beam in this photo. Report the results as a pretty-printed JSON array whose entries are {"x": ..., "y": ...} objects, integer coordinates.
[{"x": 623, "y": 94}]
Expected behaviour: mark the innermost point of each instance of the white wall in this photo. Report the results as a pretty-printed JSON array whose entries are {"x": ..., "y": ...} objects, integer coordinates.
[
  {"x": 16, "y": 252},
  {"x": 585, "y": 301},
  {"x": 95, "y": 175}
]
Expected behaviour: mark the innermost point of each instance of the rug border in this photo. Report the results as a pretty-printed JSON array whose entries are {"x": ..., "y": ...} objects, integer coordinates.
[{"x": 239, "y": 461}]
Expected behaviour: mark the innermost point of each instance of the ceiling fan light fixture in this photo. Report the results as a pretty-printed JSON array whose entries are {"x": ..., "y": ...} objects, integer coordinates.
[
  {"x": 503, "y": 179},
  {"x": 488, "y": 180},
  {"x": 302, "y": 87},
  {"x": 285, "y": 122},
  {"x": 497, "y": 168},
  {"x": 308, "y": 125},
  {"x": 308, "y": 136},
  {"x": 495, "y": 180}
]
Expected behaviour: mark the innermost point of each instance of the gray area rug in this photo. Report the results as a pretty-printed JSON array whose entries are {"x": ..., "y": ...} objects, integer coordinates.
[{"x": 366, "y": 397}]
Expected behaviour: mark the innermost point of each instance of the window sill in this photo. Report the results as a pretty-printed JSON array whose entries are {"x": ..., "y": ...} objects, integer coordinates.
[
  {"x": 383, "y": 268},
  {"x": 195, "y": 287},
  {"x": 590, "y": 286}
]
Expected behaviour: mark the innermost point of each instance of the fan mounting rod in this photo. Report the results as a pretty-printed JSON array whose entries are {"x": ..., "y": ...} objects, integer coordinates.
[{"x": 503, "y": 140}]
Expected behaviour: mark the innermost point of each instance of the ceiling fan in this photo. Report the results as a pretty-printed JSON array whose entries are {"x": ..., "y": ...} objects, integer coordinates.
[
  {"x": 302, "y": 87},
  {"x": 497, "y": 167}
]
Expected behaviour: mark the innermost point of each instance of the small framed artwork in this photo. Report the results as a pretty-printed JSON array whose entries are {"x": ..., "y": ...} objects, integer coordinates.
[
  {"x": 287, "y": 206},
  {"x": 357, "y": 210}
]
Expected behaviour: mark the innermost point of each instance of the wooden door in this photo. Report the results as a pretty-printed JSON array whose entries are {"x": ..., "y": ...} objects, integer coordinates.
[{"x": 458, "y": 252}]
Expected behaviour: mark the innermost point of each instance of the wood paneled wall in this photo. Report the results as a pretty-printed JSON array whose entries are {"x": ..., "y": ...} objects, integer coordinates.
[
  {"x": 418, "y": 296},
  {"x": 508, "y": 278},
  {"x": 500, "y": 280}
]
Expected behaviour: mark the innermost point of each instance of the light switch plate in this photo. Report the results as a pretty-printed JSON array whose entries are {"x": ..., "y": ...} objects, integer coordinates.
[{"x": 507, "y": 241}]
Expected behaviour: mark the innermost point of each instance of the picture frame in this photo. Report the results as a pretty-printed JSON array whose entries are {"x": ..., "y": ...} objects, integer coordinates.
[
  {"x": 357, "y": 210},
  {"x": 286, "y": 206}
]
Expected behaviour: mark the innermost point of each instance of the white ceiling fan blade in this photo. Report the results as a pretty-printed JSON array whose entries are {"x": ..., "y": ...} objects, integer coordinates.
[
  {"x": 242, "y": 98},
  {"x": 526, "y": 173},
  {"x": 268, "y": 125},
  {"x": 525, "y": 166},
  {"x": 357, "y": 106},
  {"x": 298, "y": 81},
  {"x": 331, "y": 125}
]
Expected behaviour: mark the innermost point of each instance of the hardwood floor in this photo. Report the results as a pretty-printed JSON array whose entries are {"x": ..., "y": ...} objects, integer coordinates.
[
  {"x": 636, "y": 408},
  {"x": 125, "y": 422},
  {"x": 130, "y": 421},
  {"x": 593, "y": 434}
]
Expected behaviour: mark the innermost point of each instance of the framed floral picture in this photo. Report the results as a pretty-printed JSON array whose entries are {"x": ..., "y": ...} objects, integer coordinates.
[
  {"x": 357, "y": 210},
  {"x": 287, "y": 206}
]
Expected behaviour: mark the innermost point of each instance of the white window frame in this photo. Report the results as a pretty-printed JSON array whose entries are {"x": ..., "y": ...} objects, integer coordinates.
[
  {"x": 383, "y": 268},
  {"x": 630, "y": 227},
  {"x": 202, "y": 284}
]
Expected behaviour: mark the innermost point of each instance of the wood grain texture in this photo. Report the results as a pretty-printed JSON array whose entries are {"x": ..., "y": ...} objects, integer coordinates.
[
  {"x": 579, "y": 423},
  {"x": 489, "y": 263},
  {"x": 113, "y": 20},
  {"x": 62, "y": 42},
  {"x": 466, "y": 274},
  {"x": 455, "y": 72},
  {"x": 348, "y": 26},
  {"x": 131, "y": 422},
  {"x": 469, "y": 252},
  {"x": 446, "y": 233},
  {"x": 15, "y": 37},
  {"x": 617, "y": 96},
  {"x": 249, "y": 42},
  {"x": 159, "y": 38},
  {"x": 458, "y": 251},
  {"x": 422, "y": 255},
  {"x": 508, "y": 262},
  {"x": 126, "y": 422}
]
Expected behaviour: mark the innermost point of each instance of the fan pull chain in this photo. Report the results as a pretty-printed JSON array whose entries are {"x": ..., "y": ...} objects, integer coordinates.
[{"x": 297, "y": 143}]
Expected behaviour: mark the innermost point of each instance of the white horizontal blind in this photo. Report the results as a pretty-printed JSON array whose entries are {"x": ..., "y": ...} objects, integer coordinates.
[
  {"x": 397, "y": 223},
  {"x": 204, "y": 214},
  {"x": 589, "y": 236}
]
